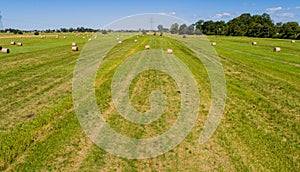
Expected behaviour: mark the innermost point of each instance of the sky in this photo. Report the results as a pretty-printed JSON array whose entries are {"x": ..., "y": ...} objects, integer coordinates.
[{"x": 55, "y": 14}]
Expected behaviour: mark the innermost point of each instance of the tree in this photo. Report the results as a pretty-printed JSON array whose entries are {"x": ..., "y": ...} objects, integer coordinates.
[
  {"x": 199, "y": 25},
  {"x": 290, "y": 30},
  {"x": 183, "y": 29},
  {"x": 298, "y": 36},
  {"x": 63, "y": 30},
  {"x": 277, "y": 29},
  {"x": 71, "y": 29},
  {"x": 174, "y": 28},
  {"x": 160, "y": 28},
  {"x": 220, "y": 28},
  {"x": 190, "y": 29},
  {"x": 198, "y": 32},
  {"x": 209, "y": 27}
]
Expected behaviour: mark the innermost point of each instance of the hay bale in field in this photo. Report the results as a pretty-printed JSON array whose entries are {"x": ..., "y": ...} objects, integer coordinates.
[
  {"x": 57, "y": 36},
  {"x": 254, "y": 43},
  {"x": 43, "y": 37},
  {"x": 5, "y": 50},
  {"x": 74, "y": 44},
  {"x": 120, "y": 42},
  {"x": 12, "y": 43},
  {"x": 147, "y": 47},
  {"x": 65, "y": 37},
  {"x": 293, "y": 41},
  {"x": 170, "y": 51},
  {"x": 277, "y": 49},
  {"x": 213, "y": 43},
  {"x": 135, "y": 41},
  {"x": 75, "y": 48},
  {"x": 19, "y": 44},
  {"x": 118, "y": 39}
]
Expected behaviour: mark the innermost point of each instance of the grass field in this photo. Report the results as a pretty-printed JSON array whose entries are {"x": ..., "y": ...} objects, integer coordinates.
[{"x": 259, "y": 131}]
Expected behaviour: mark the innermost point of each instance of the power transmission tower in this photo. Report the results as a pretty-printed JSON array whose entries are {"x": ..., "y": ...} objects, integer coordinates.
[
  {"x": 151, "y": 23},
  {"x": 1, "y": 24}
]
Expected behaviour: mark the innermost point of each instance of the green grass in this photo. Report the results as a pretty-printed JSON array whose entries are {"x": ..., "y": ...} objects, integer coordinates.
[{"x": 259, "y": 131}]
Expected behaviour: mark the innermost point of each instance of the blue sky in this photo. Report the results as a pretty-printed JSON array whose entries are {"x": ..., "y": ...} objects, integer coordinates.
[{"x": 38, "y": 14}]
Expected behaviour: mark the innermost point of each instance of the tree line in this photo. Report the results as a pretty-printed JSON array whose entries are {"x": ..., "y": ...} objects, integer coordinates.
[
  {"x": 245, "y": 25},
  {"x": 78, "y": 29}
]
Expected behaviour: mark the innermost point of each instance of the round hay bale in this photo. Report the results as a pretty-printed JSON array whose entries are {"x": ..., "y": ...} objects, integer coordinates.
[
  {"x": 118, "y": 39},
  {"x": 147, "y": 47},
  {"x": 277, "y": 49},
  {"x": 120, "y": 42},
  {"x": 135, "y": 40},
  {"x": 293, "y": 41},
  {"x": 19, "y": 44},
  {"x": 170, "y": 51},
  {"x": 57, "y": 36},
  {"x": 213, "y": 43},
  {"x": 254, "y": 43},
  {"x": 65, "y": 37},
  {"x": 5, "y": 50},
  {"x": 75, "y": 48},
  {"x": 74, "y": 44},
  {"x": 12, "y": 43}
]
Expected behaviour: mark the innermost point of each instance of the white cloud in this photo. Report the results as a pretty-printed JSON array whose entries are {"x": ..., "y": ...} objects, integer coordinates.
[
  {"x": 298, "y": 7},
  {"x": 275, "y": 9},
  {"x": 287, "y": 15},
  {"x": 220, "y": 15},
  {"x": 168, "y": 13}
]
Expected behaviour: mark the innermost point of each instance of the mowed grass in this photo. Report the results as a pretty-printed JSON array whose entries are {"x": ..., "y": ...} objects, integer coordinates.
[
  {"x": 263, "y": 105},
  {"x": 259, "y": 131}
]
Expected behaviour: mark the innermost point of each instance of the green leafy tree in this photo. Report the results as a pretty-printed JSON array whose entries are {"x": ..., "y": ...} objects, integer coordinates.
[
  {"x": 160, "y": 28},
  {"x": 290, "y": 30},
  {"x": 199, "y": 25},
  {"x": 174, "y": 28},
  {"x": 190, "y": 29},
  {"x": 183, "y": 29}
]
